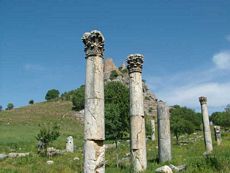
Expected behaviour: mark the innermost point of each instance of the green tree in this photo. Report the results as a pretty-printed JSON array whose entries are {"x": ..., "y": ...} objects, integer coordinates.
[
  {"x": 0, "y": 108},
  {"x": 48, "y": 133},
  {"x": 116, "y": 111},
  {"x": 113, "y": 74},
  {"x": 52, "y": 94},
  {"x": 31, "y": 102},
  {"x": 78, "y": 98},
  {"x": 221, "y": 119},
  {"x": 184, "y": 121},
  {"x": 10, "y": 106}
]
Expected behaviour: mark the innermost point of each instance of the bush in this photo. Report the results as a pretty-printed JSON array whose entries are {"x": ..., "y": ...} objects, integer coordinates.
[
  {"x": 221, "y": 119},
  {"x": 31, "y": 102},
  {"x": 78, "y": 98},
  {"x": 10, "y": 106},
  {"x": 52, "y": 94},
  {"x": 47, "y": 134},
  {"x": 113, "y": 75},
  {"x": 184, "y": 121}
]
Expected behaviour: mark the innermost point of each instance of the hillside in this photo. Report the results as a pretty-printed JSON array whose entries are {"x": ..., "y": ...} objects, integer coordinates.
[{"x": 19, "y": 127}]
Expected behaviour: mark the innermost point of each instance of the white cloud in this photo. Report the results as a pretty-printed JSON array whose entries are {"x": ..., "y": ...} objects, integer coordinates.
[
  {"x": 217, "y": 94},
  {"x": 222, "y": 60},
  {"x": 185, "y": 87}
]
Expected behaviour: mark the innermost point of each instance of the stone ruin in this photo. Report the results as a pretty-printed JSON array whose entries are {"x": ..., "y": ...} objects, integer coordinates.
[
  {"x": 94, "y": 128},
  {"x": 206, "y": 125}
]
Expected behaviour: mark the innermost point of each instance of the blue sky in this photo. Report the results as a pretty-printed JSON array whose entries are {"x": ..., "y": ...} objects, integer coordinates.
[{"x": 186, "y": 45}]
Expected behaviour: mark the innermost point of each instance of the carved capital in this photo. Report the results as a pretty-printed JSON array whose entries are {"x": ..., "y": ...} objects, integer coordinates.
[
  {"x": 203, "y": 100},
  {"x": 135, "y": 63},
  {"x": 94, "y": 43}
]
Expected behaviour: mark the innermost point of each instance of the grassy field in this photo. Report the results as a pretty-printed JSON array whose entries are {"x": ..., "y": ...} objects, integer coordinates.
[{"x": 19, "y": 127}]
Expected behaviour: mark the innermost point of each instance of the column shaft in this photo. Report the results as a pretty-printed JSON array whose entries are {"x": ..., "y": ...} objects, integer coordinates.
[
  {"x": 153, "y": 137},
  {"x": 137, "y": 120},
  {"x": 94, "y": 128},
  {"x": 164, "y": 136},
  {"x": 206, "y": 126}
]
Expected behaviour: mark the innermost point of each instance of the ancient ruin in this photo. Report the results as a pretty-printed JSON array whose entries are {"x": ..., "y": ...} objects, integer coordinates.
[
  {"x": 94, "y": 126},
  {"x": 164, "y": 136},
  {"x": 153, "y": 137},
  {"x": 217, "y": 132},
  {"x": 150, "y": 100},
  {"x": 69, "y": 144},
  {"x": 206, "y": 126},
  {"x": 137, "y": 120}
]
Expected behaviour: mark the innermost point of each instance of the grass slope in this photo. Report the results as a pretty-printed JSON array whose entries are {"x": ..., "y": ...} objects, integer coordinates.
[{"x": 19, "y": 127}]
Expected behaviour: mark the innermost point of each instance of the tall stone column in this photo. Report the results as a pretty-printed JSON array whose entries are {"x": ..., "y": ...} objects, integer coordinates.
[
  {"x": 152, "y": 121},
  {"x": 217, "y": 134},
  {"x": 137, "y": 120},
  {"x": 94, "y": 128},
  {"x": 206, "y": 126},
  {"x": 164, "y": 135}
]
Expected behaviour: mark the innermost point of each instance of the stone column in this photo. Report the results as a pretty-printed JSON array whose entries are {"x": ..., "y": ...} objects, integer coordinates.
[
  {"x": 94, "y": 127},
  {"x": 206, "y": 126},
  {"x": 137, "y": 119},
  {"x": 164, "y": 135},
  {"x": 69, "y": 144},
  {"x": 152, "y": 121},
  {"x": 217, "y": 134}
]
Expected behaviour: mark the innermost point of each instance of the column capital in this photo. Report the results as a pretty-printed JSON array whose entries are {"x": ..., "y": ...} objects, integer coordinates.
[
  {"x": 94, "y": 43},
  {"x": 135, "y": 63},
  {"x": 203, "y": 100}
]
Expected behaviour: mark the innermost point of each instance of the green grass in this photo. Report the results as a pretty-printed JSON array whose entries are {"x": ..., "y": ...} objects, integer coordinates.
[{"x": 19, "y": 127}]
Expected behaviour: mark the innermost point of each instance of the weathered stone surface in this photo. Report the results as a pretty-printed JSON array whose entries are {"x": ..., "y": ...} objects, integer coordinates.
[
  {"x": 138, "y": 141},
  {"x": 94, "y": 119},
  {"x": 50, "y": 162},
  {"x": 217, "y": 132},
  {"x": 136, "y": 94},
  {"x": 152, "y": 122},
  {"x": 14, "y": 155},
  {"x": 177, "y": 168},
  {"x": 94, "y": 130},
  {"x": 109, "y": 66},
  {"x": 164, "y": 169},
  {"x": 69, "y": 144},
  {"x": 76, "y": 158},
  {"x": 94, "y": 43},
  {"x": 164, "y": 136},
  {"x": 206, "y": 126},
  {"x": 95, "y": 161},
  {"x": 3, "y": 156},
  {"x": 51, "y": 151}
]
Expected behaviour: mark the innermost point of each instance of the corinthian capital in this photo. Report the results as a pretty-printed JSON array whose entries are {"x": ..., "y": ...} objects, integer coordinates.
[
  {"x": 203, "y": 100},
  {"x": 135, "y": 63},
  {"x": 94, "y": 43}
]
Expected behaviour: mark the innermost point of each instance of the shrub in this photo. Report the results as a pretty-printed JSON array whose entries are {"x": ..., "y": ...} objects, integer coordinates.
[
  {"x": 78, "y": 98},
  {"x": 10, "y": 106},
  {"x": 113, "y": 75},
  {"x": 47, "y": 134},
  {"x": 52, "y": 94},
  {"x": 31, "y": 102}
]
